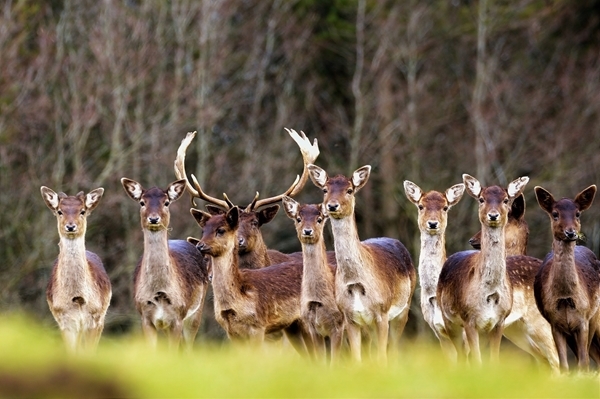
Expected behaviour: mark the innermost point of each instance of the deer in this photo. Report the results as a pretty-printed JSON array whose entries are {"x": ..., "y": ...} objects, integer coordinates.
[
  {"x": 432, "y": 219},
  {"x": 474, "y": 290},
  {"x": 253, "y": 250},
  {"x": 567, "y": 286},
  {"x": 171, "y": 276},
  {"x": 79, "y": 289},
  {"x": 318, "y": 306},
  {"x": 250, "y": 303},
  {"x": 375, "y": 279}
]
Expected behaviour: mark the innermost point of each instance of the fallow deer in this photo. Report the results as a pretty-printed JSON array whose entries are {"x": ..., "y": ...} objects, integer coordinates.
[
  {"x": 432, "y": 220},
  {"x": 567, "y": 286},
  {"x": 171, "y": 278},
  {"x": 253, "y": 250},
  {"x": 375, "y": 279},
  {"x": 318, "y": 306},
  {"x": 474, "y": 291},
  {"x": 250, "y": 303},
  {"x": 79, "y": 289}
]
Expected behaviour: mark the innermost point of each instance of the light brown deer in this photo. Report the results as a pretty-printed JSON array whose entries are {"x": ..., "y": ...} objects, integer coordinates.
[
  {"x": 171, "y": 277},
  {"x": 253, "y": 250},
  {"x": 375, "y": 279},
  {"x": 79, "y": 289},
  {"x": 474, "y": 291},
  {"x": 319, "y": 308},
  {"x": 432, "y": 220},
  {"x": 250, "y": 303},
  {"x": 567, "y": 287},
  {"x": 524, "y": 326}
]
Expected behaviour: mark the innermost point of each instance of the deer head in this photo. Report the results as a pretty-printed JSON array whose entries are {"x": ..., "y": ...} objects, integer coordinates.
[
  {"x": 309, "y": 219},
  {"x": 218, "y": 231}
]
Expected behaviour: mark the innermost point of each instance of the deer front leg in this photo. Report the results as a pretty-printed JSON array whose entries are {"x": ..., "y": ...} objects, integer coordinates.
[
  {"x": 583, "y": 354},
  {"x": 561, "y": 346}
]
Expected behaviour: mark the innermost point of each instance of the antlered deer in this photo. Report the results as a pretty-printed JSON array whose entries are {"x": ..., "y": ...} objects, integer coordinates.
[
  {"x": 567, "y": 286},
  {"x": 474, "y": 292},
  {"x": 319, "y": 308},
  {"x": 171, "y": 278},
  {"x": 253, "y": 250},
  {"x": 79, "y": 289},
  {"x": 432, "y": 220},
  {"x": 375, "y": 279},
  {"x": 250, "y": 303}
]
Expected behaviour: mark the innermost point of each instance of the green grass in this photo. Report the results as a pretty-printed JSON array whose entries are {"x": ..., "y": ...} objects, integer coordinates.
[{"x": 33, "y": 363}]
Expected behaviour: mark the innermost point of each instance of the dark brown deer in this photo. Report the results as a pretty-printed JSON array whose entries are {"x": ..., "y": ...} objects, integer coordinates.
[
  {"x": 250, "y": 303},
  {"x": 567, "y": 286},
  {"x": 171, "y": 277},
  {"x": 79, "y": 289},
  {"x": 253, "y": 250},
  {"x": 432, "y": 220},
  {"x": 474, "y": 290},
  {"x": 319, "y": 308},
  {"x": 375, "y": 279}
]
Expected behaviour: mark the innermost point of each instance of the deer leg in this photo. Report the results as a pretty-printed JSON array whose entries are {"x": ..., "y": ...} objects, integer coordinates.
[
  {"x": 354, "y": 338},
  {"x": 495, "y": 338},
  {"x": 336, "y": 340},
  {"x": 190, "y": 329},
  {"x": 583, "y": 354},
  {"x": 396, "y": 329},
  {"x": 473, "y": 341},
  {"x": 383, "y": 329},
  {"x": 296, "y": 334},
  {"x": 174, "y": 334},
  {"x": 561, "y": 347},
  {"x": 149, "y": 331}
]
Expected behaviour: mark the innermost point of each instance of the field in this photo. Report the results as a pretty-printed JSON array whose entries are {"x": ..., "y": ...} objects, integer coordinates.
[{"x": 34, "y": 364}]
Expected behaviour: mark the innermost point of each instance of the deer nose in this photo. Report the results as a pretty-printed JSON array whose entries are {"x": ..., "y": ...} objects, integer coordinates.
[
  {"x": 242, "y": 242},
  {"x": 71, "y": 227},
  {"x": 493, "y": 216},
  {"x": 202, "y": 247},
  {"x": 571, "y": 234},
  {"x": 153, "y": 220},
  {"x": 307, "y": 232},
  {"x": 432, "y": 224},
  {"x": 332, "y": 207}
]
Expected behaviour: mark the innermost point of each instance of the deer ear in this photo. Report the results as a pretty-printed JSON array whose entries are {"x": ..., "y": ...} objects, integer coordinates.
[
  {"x": 585, "y": 198},
  {"x": 215, "y": 210},
  {"x": 232, "y": 217},
  {"x": 176, "y": 190},
  {"x": 472, "y": 185},
  {"x": 412, "y": 191},
  {"x": 267, "y": 214},
  {"x": 454, "y": 194},
  {"x": 475, "y": 241},
  {"x": 290, "y": 206},
  {"x": 517, "y": 209},
  {"x": 361, "y": 176},
  {"x": 132, "y": 188},
  {"x": 544, "y": 199},
  {"x": 516, "y": 187},
  {"x": 92, "y": 199},
  {"x": 317, "y": 175},
  {"x": 201, "y": 217},
  {"x": 193, "y": 241},
  {"x": 50, "y": 197}
]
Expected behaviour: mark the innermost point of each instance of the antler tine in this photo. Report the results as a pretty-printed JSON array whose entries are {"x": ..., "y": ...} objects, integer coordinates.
[
  {"x": 208, "y": 198},
  {"x": 179, "y": 164},
  {"x": 229, "y": 202},
  {"x": 272, "y": 200},
  {"x": 252, "y": 205},
  {"x": 309, "y": 155}
]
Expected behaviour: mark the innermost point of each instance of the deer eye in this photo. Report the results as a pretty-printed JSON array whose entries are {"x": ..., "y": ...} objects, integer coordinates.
[
  {"x": 325, "y": 191},
  {"x": 481, "y": 200},
  {"x": 445, "y": 209},
  {"x": 421, "y": 207},
  {"x": 298, "y": 220},
  {"x": 577, "y": 214},
  {"x": 59, "y": 212},
  {"x": 505, "y": 200},
  {"x": 349, "y": 191},
  {"x": 220, "y": 231},
  {"x": 555, "y": 215},
  {"x": 167, "y": 203},
  {"x": 142, "y": 203},
  {"x": 82, "y": 212},
  {"x": 320, "y": 220}
]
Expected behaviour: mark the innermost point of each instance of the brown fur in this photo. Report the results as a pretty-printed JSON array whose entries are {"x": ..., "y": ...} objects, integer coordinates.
[
  {"x": 250, "y": 303},
  {"x": 79, "y": 289},
  {"x": 171, "y": 278},
  {"x": 375, "y": 279},
  {"x": 567, "y": 286}
]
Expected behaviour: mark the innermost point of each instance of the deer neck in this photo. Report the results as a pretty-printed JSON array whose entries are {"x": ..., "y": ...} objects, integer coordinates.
[
  {"x": 431, "y": 260},
  {"x": 317, "y": 277},
  {"x": 349, "y": 254},
  {"x": 226, "y": 280},
  {"x": 157, "y": 265},
  {"x": 563, "y": 272},
  {"x": 493, "y": 256},
  {"x": 256, "y": 258},
  {"x": 72, "y": 266}
]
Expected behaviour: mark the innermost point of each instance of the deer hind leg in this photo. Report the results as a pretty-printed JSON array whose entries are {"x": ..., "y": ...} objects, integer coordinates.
[
  {"x": 191, "y": 325},
  {"x": 354, "y": 339},
  {"x": 535, "y": 338},
  {"x": 336, "y": 339},
  {"x": 472, "y": 336},
  {"x": 495, "y": 338},
  {"x": 300, "y": 338},
  {"x": 149, "y": 332},
  {"x": 383, "y": 329}
]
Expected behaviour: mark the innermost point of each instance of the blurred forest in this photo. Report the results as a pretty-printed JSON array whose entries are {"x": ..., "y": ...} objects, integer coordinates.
[{"x": 91, "y": 91}]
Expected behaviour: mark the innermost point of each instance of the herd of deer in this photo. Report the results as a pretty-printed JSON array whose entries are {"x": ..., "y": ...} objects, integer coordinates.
[{"x": 318, "y": 298}]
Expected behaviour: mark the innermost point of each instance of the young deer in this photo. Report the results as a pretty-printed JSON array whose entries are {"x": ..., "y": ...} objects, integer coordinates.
[
  {"x": 432, "y": 219},
  {"x": 474, "y": 291},
  {"x": 375, "y": 279},
  {"x": 171, "y": 278},
  {"x": 79, "y": 289},
  {"x": 249, "y": 303},
  {"x": 318, "y": 306},
  {"x": 567, "y": 287},
  {"x": 252, "y": 248}
]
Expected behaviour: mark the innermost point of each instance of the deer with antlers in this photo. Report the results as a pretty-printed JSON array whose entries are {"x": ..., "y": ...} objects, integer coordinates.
[
  {"x": 375, "y": 279},
  {"x": 171, "y": 277},
  {"x": 79, "y": 290},
  {"x": 474, "y": 290},
  {"x": 567, "y": 286},
  {"x": 318, "y": 306},
  {"x": 253, "y": 250},
  {"x": 432, "y": 219}
]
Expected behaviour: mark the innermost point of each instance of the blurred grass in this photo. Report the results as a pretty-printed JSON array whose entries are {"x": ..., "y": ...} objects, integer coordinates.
[{"x": 33, "y": 363}]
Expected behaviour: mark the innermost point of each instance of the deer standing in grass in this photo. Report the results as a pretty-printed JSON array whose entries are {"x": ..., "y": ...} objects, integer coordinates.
[
  {"x": 474, "y": 291},
  {"x": 171, "y": 278},
  {"x": 253, "y": 250},
  {"x": 375, "y": 279},
  {"x": 525, "y": 326},
  {"x": 567, "y": 286},
  {"x": 319, "y": 308},
  {"x": 432, "y": 220},
  {"x": 250, "y": 303},
  {"x": 79, "y": 289}
]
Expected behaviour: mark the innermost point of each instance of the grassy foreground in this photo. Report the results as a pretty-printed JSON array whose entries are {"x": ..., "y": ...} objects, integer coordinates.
[{"x": 33, "y": 363}]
